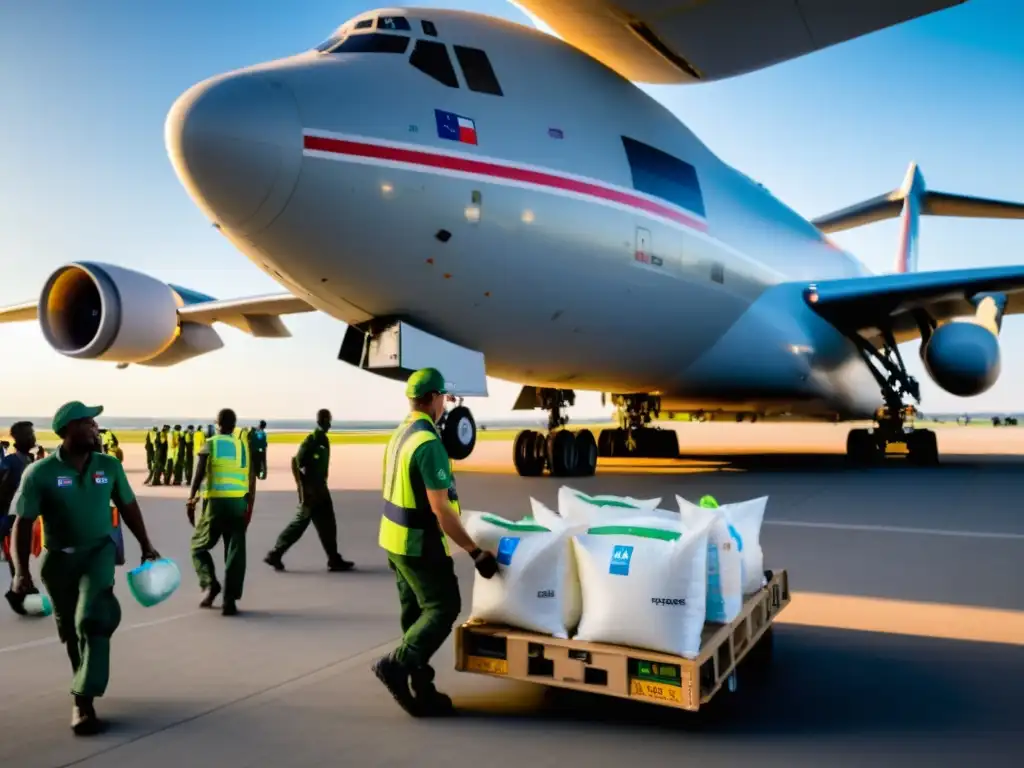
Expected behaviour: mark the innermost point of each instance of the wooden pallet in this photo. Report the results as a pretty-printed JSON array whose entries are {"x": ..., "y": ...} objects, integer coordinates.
[{"x": 616, "y": 670}]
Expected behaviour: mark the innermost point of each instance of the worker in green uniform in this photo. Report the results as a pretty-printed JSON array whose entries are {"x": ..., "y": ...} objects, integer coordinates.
[
  {"x": 310, "y": 468},
  {"x": 150, "y": 453},
  {"x": 178, "y": 458},
  {"x": 225, "y": 464},
  {"x": 72, "y": 490},
  {"x": 258, "y": 441},
  {"x": 190, "y": 456},
  {"x": 163, "y": 441},
  {"x": 12, "y": 467},
  {"x": 421, "y": 506}
]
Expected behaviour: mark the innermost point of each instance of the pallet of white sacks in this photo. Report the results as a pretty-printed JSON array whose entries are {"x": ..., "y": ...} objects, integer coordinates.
[{"x": 630, "y": 673}]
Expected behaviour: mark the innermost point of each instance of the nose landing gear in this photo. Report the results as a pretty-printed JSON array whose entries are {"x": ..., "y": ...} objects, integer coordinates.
[{"x": 895, "y": 420}]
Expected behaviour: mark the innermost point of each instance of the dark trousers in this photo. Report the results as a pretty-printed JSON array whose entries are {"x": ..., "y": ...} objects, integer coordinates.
[
  {"x": 81, "y": 587},
  {"x": 317, "y": 508},
  {"x": 428, "y": 593},
  {"x": 221, "y": 518}
]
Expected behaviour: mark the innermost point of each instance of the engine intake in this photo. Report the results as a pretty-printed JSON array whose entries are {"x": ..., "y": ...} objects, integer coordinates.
[
  {"x": 93, "y": 311},
  {"x": 963, "y": 358}
]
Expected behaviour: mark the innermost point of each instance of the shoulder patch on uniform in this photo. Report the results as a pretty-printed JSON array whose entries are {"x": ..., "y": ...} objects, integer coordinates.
[
  {"x": 63, "y": 482},
  {"x": 441, "y": 474}
]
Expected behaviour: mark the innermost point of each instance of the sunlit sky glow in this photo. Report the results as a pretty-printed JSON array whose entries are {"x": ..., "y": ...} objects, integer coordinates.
[{"x": 84, "y": 175}]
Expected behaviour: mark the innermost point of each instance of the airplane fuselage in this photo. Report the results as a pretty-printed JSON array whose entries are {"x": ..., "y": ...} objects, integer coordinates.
[{"x": 570, "y": 228}]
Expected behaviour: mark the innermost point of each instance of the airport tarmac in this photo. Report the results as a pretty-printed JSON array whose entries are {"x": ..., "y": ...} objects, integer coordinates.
[{"x": 905, "y": 638}]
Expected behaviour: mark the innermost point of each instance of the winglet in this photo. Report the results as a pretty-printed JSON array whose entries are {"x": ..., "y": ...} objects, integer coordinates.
[{"x": 911, "y": 201}]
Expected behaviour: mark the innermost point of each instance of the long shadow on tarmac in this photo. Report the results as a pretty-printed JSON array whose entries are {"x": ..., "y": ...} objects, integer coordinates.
[
  {"x": 824, "y": 682},
  {"x": 827, "y": 462}
]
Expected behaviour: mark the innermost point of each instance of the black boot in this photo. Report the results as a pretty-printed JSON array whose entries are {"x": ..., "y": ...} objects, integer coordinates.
[
  {"x": 431, "y": 700},
  {"x": 395, "y": 677},
  {"x": 84, "y": 721},
  {"x": 210, "y": 595},
  {"x": 338, "y": 563},
  {"x": 273, "y": 559}
]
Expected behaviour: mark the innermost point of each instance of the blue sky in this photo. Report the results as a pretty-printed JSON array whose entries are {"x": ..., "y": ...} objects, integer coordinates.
[{"x": 84, "y": 175}]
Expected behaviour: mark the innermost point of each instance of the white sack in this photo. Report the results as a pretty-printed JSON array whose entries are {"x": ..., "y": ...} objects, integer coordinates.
[
  {"x": 536, "y": 587},
  {"x": 746, "y": 518},
  {"x": 725, "y": 562},
  {"x": 644, "y": 584},
  {"x": 578, "y": 508}
]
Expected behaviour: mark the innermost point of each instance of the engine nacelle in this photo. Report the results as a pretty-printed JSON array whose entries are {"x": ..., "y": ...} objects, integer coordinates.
[
  {"x": 95, "y": 311},
  {"x": 963, "y": 358}
]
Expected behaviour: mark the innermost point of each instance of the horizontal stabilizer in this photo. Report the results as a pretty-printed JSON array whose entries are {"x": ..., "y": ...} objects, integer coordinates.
[
  {"x": 858, "y": 304},
  {"x": 890, "y": 205}
]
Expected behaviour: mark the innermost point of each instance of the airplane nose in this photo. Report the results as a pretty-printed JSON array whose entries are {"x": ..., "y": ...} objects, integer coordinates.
[{"x": 235, "y": 142}]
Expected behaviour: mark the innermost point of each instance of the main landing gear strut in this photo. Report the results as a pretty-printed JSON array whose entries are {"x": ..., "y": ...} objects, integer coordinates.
[
  {"x": 574, "y": 454},
  {"x": 867, "y": 446}
]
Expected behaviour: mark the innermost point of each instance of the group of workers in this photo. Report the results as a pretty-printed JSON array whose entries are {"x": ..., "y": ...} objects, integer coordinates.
[
  {"x": 171, "y": 454},
  {"x": 82, "y": 496}
]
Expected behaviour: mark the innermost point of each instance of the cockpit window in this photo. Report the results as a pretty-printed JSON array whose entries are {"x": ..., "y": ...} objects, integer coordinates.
[
  {"x": 364, "y": 24},
  {"x": 477, "y": 70},
  {"x": 432, "y": 59},
  {"x": 429, "y": 28},
  {"x": 394, "y": 23},
  {"x": 372, "y": 43},
  {"x": 329, "y": 43}
]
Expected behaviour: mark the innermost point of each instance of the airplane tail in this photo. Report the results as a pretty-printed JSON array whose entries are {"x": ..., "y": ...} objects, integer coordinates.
[{"x": 911, "y": 201}]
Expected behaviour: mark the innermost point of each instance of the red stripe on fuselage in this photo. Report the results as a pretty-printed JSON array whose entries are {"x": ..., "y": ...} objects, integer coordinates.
[{"x": 497, "y": 171}]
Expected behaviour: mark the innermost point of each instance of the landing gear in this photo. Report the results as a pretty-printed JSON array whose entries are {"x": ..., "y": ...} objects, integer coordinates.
[
  {"x": 574, "y": 454},
  {"x": 563, "y": 453},
  {"x": 635, "y": 438},
  {"x": 895, "y": 420}
]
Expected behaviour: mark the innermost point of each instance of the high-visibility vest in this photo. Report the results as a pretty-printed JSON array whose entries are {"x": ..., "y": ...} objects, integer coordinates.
[
  {"x": 151, "y": 438},
  {"x": 227, "y": 471},
  {"x": 198, "y": 440},
  {"x": 408, "y": 525}
]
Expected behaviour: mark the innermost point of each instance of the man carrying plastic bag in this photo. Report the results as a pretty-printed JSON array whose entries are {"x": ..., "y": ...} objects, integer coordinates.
[{"x": 72, "y": 490}]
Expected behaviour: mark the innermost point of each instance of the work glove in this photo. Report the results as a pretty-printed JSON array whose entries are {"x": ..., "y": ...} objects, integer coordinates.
[{"x": 485, "y": 562}]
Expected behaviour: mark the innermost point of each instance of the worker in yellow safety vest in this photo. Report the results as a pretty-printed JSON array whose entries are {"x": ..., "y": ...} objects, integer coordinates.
[
  {"x": 225, "y": 466},
  {"x": 421, "y": 506}
]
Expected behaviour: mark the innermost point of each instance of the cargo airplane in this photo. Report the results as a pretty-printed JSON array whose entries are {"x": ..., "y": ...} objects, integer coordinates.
[{"x": 475, "y": 194}]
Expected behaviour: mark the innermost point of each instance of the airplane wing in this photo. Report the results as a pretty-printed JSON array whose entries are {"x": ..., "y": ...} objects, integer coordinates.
[
  {"x": 259, "y": 316},
  {"x": 866, "y": 304},
  {"x": 650, "y": 41}
]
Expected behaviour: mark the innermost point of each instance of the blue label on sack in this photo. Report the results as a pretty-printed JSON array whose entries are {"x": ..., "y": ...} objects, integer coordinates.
[
  {"x": 621, "y": 556},
  {"x": 506, "y": 548}
]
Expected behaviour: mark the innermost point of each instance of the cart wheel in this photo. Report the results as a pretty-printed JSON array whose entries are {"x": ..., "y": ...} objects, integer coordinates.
[{"x": 757, "y": 664}]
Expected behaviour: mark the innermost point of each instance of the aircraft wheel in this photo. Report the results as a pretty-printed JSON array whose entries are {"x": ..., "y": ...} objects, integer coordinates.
[
  {"x": 861, "y": 448},
  {"x": 524, "y": 454},
  {"x": 605, "y": 443},
  {"x": 586, "y": 453},
  {"x": 562, "y": 453},
  {"x": 669, "y": 444},
  {"x": 923, "y": 447},
  {"x": 459, "y": 433}
]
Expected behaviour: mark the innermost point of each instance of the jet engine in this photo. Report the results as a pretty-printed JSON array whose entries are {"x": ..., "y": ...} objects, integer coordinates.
[
  {"x": 92, "y": 311},
  {"x": 962, "y": 357}
]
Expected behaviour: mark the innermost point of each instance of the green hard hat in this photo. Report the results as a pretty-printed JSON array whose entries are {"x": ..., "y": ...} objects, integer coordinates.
[
  {"x": 74, "y": 411},
  {"x": 425, "y": 381},
  {"x": 708, "y": 502}
]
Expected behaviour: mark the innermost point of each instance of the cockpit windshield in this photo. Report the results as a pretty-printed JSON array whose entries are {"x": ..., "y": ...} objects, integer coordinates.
[{"x": 371, "y": 42}]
